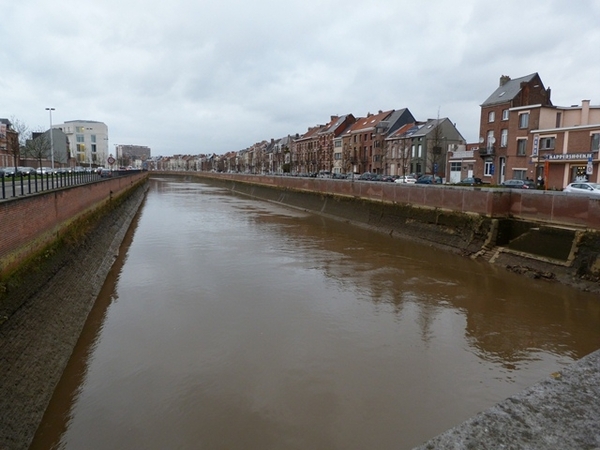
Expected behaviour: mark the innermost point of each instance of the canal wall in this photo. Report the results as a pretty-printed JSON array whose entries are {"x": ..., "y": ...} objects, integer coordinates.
[
  {"x": 43, "y": 312},
  {"x": 31, "y": 223},
  {"x": 560, "y": 412},
  {"x": 539, "y": 234}
]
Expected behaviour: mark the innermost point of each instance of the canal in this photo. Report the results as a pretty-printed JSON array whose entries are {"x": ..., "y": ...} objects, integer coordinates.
[{"x": 229, "y": 323}]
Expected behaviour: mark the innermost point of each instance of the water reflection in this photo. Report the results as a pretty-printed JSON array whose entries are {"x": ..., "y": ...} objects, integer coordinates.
[{"x": 242, "y": 324}]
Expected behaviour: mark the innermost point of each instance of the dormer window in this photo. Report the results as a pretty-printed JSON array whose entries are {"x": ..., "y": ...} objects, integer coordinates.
[{"x": 491, "y": 116}]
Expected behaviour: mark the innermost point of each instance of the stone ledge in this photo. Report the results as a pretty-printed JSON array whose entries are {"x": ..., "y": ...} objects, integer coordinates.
[{"x": 560, "y": 412}]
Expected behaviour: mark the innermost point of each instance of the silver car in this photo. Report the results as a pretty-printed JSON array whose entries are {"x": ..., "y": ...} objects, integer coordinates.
[{"x": 583, "y": 187}]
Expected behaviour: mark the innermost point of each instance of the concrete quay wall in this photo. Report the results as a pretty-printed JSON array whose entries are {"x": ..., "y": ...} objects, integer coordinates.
[
  {"x": 551, "y": 207},
  {"x": 32, "y": 222},
  {"x": 538, "y": 234}
]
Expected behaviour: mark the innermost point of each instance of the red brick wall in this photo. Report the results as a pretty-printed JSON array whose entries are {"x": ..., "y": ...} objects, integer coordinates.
[{"x": 27, "y": 224}]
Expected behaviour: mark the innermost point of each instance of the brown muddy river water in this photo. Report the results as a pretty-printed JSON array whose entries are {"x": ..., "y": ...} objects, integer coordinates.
[{"x": 230, "y": 323}]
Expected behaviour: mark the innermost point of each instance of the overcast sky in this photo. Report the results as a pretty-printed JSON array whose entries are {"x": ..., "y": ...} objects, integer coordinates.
[{"x": 184, "y": 76}]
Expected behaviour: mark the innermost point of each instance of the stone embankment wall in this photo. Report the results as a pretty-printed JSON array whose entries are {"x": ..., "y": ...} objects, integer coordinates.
[
  {"x": 32, "y": 222},
  {"x": 43, "y": 311},
  {"x": 552, "y": 207},
  {"x": 538, "y": 234}
]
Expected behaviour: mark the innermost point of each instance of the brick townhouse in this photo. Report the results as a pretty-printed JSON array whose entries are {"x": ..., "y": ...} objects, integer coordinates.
[{"x": 507, "y": 117}]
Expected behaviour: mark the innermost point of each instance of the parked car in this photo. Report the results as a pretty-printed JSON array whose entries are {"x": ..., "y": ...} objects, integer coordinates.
[
  {"x": 429, "y": 179},
  {"x": 24, "y": 171},
  {"x": 339, "y": 176},
  {"x": 7, "y": 172},
  {"x": 387, "y": 178},
  {"x": 106, "y": 173},
  {"x": 367, "y": 176},
  {"x": 583, "y": 187},
  {"x": 44, "y": 171},
  {"x": 406, "y": 179},
  {"x": 519, "y": 184},
  {"x": 471, "y": 181}
]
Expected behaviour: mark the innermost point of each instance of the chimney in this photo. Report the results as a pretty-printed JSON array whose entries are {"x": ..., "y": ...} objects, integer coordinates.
[
  {"x": 585, "y": 112},
  {"x": 504, "y": 79}
]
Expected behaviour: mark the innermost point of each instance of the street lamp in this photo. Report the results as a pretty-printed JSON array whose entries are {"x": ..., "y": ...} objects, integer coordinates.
[{"x": 51, "y": 139}]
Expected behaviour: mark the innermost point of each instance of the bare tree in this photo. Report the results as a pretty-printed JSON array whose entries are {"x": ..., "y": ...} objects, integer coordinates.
[
  {"x": 22, "y": 130},
  {"x": 435, "y": 145},
  {"x": 38, "y": 147}
]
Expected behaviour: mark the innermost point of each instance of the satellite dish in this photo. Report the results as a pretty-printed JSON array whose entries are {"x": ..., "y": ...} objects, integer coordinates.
[
  {"x": 493, "y": 140},
  {"x": 481, "y": 139}
]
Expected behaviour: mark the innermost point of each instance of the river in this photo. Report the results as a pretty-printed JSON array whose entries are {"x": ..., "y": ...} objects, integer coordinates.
[{"x": 230, "y": 323}]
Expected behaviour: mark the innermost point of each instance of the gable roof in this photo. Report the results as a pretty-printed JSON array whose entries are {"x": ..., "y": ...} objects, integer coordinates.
[
  {"x": 508, "y": 91},
  {"x": 404, "y": 131},
  {"x": 369, "y": 122}
]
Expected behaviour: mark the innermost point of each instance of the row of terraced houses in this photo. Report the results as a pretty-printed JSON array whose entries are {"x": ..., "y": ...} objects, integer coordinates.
[{"x": 522, "y": 135}]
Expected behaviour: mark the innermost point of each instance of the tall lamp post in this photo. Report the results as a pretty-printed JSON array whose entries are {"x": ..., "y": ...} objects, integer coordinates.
[{"x": 51, "y": 139}]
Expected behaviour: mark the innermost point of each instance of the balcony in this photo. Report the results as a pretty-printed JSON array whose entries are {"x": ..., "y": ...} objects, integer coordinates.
[{"x": 489, "y": 150}]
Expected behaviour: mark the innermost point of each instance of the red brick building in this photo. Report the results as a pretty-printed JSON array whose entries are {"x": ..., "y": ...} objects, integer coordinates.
[{"x": 507, "y": 118}]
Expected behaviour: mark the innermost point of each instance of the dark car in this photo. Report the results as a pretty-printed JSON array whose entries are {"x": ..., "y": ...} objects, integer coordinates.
[
  {"x": 106, "y": 173},
  {"x": 25, "y": 171},
  {"x": 7, "y": 172},
  {"x": 429, "y": 179},
  {"x": 367, "y": 176},
  {"x": 519, "y": 184},
  {"x": 471, "y": 181}
]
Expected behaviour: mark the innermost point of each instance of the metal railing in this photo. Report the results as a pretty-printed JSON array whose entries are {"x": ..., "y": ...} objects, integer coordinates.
[{"x": 21, "y": 185}]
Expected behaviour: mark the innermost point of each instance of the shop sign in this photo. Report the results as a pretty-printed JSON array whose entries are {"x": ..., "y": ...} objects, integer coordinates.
[{"x": 569, "y": 157}]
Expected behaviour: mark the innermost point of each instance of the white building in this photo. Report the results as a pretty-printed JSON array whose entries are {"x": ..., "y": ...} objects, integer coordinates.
[{"x": 88, "y": 141}]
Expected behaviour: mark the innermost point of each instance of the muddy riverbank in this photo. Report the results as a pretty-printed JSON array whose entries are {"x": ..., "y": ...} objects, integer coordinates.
[{"x": 41, "y": 318}]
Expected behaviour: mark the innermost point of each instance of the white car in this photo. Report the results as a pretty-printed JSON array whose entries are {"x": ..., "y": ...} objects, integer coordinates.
[
  {"x": 405, "y": 179},
  {"x": 44, "y": 171},
  {"x": 583, "y": 187}
]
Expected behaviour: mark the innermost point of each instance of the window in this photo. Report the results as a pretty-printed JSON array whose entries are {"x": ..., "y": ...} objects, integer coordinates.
[
  {"x": 558, "y": 118},
  {"x": 79, "y": 129},
  {"x": 524, "y": 120},
  {"x": 547, "y": 143},
  {"x": 93, "y": 138},
  {"x": 491, "y": 116},
  {"x": 490, "y": 139},
  {"x": 488, "y": 168},
  {"x": 505, "y": 114},
  {"x": 93, "y": 148},
  {"x": 79, "y": 137},
  {"x": 503, "y": 138},
  {"x": 413, "y": 151},
  {"x": 521, "y": 147},
  {"x": 337, "y": 156},
  {"x": 420, "y": 150},
  {"x": 455, "y": 166},
  {"x": 519, "y": 174},
  {"x": 595, "y": 142},
  {"x": 80, "y": 148}
]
